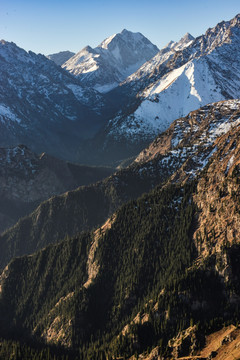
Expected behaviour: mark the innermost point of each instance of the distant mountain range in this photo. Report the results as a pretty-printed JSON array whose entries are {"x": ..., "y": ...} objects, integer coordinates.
[
  {"x": 61, "y": 57},
  {"x": 143, "y": 91}
]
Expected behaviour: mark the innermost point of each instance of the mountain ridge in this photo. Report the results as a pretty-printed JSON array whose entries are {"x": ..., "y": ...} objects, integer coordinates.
[
  {"x": 165, "y": 289},
  {"x": 27, "y": 179},
  {"x": 170, "y": 85},
  {"x": 41, "y": 101},
  {"x": 178, "y": 155}
]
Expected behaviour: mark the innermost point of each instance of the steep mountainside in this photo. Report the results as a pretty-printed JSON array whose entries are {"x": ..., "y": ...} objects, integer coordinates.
[
  {"x": 61, "y": 57},
  {"x": 226, "y": 32},
  {"x": 155, "y": 275},
  {"x": 177, "y": 80},
  {"x": 175, "y": 156},
  {"x": 220, "y": 345},
  {"x": 26, "y": 179},
  {"x": 74, "y": 211},
  {"x": 118, "y": 56},
  {"x": 43, "y": 106}
]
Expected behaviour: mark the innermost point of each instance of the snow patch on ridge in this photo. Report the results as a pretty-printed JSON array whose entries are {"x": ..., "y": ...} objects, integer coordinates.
[
  {"x": 105, "y": 88},
  {"x": 7, "y": 114},
  {"x": 230, "y": 163}
]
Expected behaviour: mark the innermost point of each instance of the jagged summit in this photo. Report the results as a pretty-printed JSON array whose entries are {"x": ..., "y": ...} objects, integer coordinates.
[
  {"x": 11, "y": 52},
  {"x": 185, "y": 41},
  {"x": 115, "y": 58},
  {"x": 125, "y": 36},
  {"x": 188, "y": 36},
  {"x": 88, "y": 48}
]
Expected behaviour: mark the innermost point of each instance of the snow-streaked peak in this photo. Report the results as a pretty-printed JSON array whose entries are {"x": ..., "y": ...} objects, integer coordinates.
[
  {"x": 11, "y": 52},
  {"x": 170, "y": 45},
  {"x": 162, "y": 57},
  {"x": 185, "y": 41},
  {"x": 125, "y": 36},
  {"x": 112, "y": 61},
  {"x": 181, "y": 52},
  {"x": 188, "y": 37}
]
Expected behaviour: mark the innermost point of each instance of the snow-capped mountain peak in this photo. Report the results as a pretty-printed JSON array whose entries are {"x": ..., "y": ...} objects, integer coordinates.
[
  {"x": 188, "y": 37},
  {"x": 112, "y": 61},
  {"x": 125, "y": 36},
  {"x": 184, "y": 42}
]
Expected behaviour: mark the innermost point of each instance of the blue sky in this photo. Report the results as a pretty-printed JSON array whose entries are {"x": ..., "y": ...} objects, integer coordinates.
[{"x": 49, "y": 26}]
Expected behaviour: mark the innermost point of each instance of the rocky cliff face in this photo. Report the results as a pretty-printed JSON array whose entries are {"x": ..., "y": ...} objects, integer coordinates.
[
  {"x": 222, "y": 344},
  {"x": 217, "y": 197}
]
